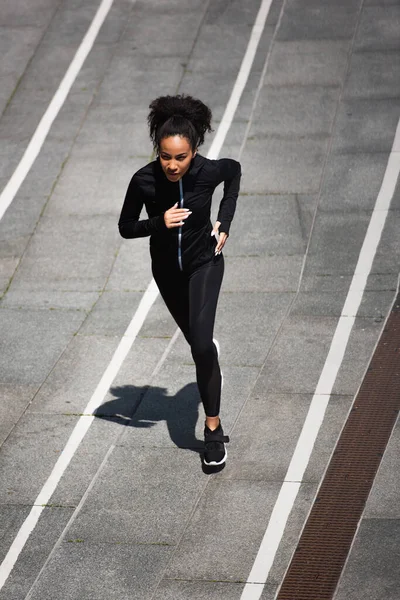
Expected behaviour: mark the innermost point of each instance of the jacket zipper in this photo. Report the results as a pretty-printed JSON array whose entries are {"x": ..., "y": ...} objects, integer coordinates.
[{"x": 180, "y": 228}]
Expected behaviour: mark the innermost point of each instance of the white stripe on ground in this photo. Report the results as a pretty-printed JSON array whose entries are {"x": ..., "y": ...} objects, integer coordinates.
[
  {"x": 134, "y": 327},
  {"x": 241, "y": 79},
  {"x": 39, "y": 137},
  {"x": 98, "y": 472},
  {"x": 71, "y": 520},
  {"x": 301, "y": 456},
  {"x": 78, "y": 433}
]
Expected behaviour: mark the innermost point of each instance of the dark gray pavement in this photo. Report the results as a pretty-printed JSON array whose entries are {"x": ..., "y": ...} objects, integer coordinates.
[{"x": 134, "y": 516}]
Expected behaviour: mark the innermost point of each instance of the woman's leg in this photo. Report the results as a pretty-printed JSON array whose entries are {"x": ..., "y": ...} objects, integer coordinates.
[
  {"x": 174, "y": 289},
  {"x": 192, "y": 301},
  {"x": 204, "y": 287}
]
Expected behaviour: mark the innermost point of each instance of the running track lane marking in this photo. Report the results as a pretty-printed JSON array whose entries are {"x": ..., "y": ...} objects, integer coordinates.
[
  {"x": 93, "y": 481},
  {"x": 241, "y": 79},
  {"x": 39, "y": 137},
  {"x": 144, "y": 307},
  {"x": 301, "y": 456}
]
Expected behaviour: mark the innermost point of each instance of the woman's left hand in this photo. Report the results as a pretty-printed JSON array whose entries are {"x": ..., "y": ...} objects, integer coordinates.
[{"x": 221, "y": 237}]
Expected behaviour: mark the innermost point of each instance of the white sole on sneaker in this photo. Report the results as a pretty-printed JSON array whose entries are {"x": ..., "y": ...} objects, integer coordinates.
[{"x": 213, "y": 463}]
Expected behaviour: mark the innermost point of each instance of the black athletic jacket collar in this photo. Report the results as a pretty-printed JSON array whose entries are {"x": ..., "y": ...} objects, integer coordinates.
[{"x": 150, "y": 187}]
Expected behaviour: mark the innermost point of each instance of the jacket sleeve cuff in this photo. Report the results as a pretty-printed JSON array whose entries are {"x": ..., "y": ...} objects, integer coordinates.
[
  {"x": 159, "y": 223},
  {"x": 224, "y": 227}
]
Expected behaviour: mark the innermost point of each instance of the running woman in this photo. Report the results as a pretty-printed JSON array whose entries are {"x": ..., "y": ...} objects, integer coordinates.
[{"x": 185, "y": 249}]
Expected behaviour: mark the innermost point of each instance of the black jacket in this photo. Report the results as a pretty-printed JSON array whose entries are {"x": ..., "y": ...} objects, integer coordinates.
[{"x": 150, "y": 187}]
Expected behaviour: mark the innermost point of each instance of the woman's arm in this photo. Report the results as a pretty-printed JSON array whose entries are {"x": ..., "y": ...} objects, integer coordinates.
[
  {"x": 129, "y": 224},
  {"x": 229, "y": 173}
]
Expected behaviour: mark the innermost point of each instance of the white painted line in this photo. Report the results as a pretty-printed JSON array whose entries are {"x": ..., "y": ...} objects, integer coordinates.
[
  {"x": 38, "y": 138},
  {"x": 128, "y": 338},
  {"x": 71, "y": 520},
  {"x": 98, "y": 472},
  {"x": 305, "y": 444},
  {"x": 78, "y": 432},
  {"x": 241, "y": 79},
  {"x": 270, "y": 543}
]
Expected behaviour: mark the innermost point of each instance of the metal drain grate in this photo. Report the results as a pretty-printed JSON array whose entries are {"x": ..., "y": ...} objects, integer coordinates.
[{"x": 323, "y": 547}]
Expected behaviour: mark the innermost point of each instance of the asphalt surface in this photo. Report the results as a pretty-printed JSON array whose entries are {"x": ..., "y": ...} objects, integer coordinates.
[{"x": 134, "y": 516}]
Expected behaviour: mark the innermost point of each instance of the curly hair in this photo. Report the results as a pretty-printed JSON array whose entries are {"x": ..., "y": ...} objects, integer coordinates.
[{"x": 179, "y": 115}]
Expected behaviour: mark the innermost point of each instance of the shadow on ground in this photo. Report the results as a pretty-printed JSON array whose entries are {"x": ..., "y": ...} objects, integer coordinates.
[{"x": 143, "y": 407}]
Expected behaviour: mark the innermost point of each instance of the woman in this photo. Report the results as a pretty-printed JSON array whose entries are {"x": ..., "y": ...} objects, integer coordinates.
[{"x": 185, "y": 248}]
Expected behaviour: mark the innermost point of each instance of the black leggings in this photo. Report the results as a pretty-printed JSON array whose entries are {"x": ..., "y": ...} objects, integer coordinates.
[{"x": 192, "y": 301}]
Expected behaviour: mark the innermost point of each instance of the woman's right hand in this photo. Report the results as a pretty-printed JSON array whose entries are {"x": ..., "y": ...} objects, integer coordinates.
[{"x": 175, "y": 217}]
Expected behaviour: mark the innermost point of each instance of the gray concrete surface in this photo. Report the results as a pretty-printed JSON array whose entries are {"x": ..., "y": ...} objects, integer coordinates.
[{"x": 134, "y": 515}]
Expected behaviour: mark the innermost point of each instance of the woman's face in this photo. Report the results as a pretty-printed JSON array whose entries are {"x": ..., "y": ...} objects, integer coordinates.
[{"x": 175, "y": 156}]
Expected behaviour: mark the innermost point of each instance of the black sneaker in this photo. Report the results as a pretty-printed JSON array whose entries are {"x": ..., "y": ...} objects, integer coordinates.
[{"x": 214, "y": 446}]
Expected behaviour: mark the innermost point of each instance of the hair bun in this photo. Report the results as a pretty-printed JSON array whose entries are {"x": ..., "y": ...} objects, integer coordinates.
[{"x": 178, "y": 108}]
